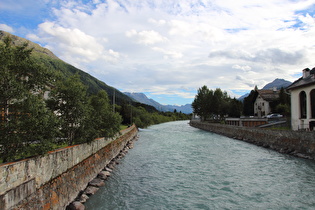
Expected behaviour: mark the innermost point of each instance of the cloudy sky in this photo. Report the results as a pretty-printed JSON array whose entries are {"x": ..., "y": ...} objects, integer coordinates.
[{"x": 169, "y": 48}]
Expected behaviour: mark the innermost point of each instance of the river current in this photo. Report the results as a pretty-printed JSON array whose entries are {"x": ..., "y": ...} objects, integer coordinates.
[{"x": 176, "y": 166}]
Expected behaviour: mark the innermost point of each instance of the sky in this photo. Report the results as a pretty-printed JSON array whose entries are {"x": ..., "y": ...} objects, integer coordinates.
[{"x": 168, "y": 49}]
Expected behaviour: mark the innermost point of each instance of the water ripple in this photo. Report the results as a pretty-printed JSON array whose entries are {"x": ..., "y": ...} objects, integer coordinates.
[{"x": 175, "y": 166}]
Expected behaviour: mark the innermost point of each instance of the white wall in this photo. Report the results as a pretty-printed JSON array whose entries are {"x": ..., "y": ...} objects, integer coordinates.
[{"x": 296, "y": 122}]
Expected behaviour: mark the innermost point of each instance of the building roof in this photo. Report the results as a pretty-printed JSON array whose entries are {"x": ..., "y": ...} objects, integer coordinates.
[
  {"x": 269, "y": 95},
  {"x": 302, "y": 82}
]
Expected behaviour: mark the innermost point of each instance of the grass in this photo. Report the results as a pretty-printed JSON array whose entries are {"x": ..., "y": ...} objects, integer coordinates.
[
  {"x": 281, "y": 128},
  {"x": 122, "y": 127}
]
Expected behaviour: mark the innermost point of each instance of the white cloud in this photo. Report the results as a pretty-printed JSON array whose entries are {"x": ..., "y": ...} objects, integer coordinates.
[
  {"x": 161, "y": 45},
  {"x": 244, "y": 68},
  {"x": 6, "y": 28},
  {"x": 168, "y": 53},
  {"x": 146, "y": 37}
]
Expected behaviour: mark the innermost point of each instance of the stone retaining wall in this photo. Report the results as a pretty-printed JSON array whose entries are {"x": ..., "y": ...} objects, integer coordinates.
[
  {"x": 52, "y": 181},
  {"x": 298, "y": 143}
]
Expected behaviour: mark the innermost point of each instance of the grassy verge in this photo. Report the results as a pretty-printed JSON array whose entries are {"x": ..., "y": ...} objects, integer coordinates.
[{"x": 122, "y": 127}]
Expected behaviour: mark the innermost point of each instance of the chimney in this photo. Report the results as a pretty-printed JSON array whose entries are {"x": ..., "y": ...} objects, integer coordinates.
[
  {"x": 306, "y": 73},
  {"x": 274, "y": 89}
]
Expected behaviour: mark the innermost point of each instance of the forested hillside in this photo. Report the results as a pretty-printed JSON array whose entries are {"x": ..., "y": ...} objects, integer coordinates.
[
  {"x": 46, "y": 103},
  {"x": 49, "y": 60}
]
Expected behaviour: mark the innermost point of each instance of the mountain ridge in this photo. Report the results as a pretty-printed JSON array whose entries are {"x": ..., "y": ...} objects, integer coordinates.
[
  {"x": 51, "y": 61},
  {"x": 277, "y": 83},
  {"x": 142, "y": 98}
]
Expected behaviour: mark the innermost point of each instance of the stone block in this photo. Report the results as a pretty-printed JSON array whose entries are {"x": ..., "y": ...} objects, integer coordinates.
[
  {"x": 90, "y": 190},
  {"x": 97, "y": 182}
]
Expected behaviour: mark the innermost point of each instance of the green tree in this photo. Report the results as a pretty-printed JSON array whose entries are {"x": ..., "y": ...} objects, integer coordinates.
[
  {"x": 202, "y": 102},
  {"x": 27, "y": 126},
  {"x": 284, "y": 98},
  {"x": 69, "y": 100},
  {"x": 220, "y": 102},
  {"x": 235, "y": 108},
  {"x": 248, "y": 108},
  {"x": 19, "y": 74},
  {"x": 104, "y": 121}
]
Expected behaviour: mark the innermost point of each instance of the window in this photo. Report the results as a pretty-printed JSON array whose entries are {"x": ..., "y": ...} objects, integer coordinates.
[
  {"x": 302, "y": 104},
  {"x": 312, "y": 96}
]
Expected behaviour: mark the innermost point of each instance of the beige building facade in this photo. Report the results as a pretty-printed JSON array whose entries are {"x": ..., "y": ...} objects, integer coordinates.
[
  {"x": 262, "y": 105},
  {"x": 303, "y": 101}
]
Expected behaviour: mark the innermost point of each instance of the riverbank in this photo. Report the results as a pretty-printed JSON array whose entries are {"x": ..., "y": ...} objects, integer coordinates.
[
  {"x": 53, "y": 180},
  {"x": 297, "y": 143}
]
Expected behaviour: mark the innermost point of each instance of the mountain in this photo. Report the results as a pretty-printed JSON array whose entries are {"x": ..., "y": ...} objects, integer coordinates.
[
  {"x": 243, "y": 96},
  {"x": 142, "y": 98},
  {"x": 278, "y": 83},
  {"x": 52, "y": 62},
  {"x": 187, "y": 109}
]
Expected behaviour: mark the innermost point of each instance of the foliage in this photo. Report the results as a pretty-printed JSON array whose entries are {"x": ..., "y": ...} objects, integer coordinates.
[
  {"x": 215, "y": 104},
  {"x": 283, "y": 109},
  {"x": 27, "y": 126},
  {"x": 144, "y": 118},
  {"x": 83, "y": 118},
  {"x": 104, "y": 121},
  {"x": 73, "y": 113},
  {"x": 69, "y": 101},
  {"x": 248, "y": 108},
  {"x": 283, "y": 105},
  {"x": 284, "y": 98},
  {"x": 235, "y": 108},
  {"x": 202, "y": 105}
]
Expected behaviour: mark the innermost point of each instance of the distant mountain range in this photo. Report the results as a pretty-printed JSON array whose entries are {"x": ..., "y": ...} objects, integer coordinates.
[
  {"x": 187, "y": 109},
  {"x": 142, "y": 98}
]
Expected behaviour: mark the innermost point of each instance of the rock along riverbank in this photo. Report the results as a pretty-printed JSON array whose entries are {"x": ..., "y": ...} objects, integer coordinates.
[
  {"x": 297, "y": 143},
  {"x": 99, "y": 181}
]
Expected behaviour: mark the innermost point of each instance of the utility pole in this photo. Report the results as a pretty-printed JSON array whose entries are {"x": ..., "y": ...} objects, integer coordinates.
[
  {"x": 130, "y": 113},
  {"x": 114, "y": 101}
]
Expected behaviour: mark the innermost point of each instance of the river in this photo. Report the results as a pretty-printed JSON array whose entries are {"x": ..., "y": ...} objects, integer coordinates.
[{"x": 175, "y": 166}]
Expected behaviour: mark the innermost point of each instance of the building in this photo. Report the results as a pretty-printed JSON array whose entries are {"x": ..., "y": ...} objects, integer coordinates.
[
  {"x": 264, "y": 101},
  {"x": 303, "y": 101}
]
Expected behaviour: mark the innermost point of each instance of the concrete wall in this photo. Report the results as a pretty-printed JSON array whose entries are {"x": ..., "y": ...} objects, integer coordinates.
[
  {"x": 299, "y": 143},
  {"x": 52, "y": 181}
]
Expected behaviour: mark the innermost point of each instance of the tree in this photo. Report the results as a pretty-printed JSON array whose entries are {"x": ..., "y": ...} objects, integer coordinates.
[
  {"x": 220, "y": 102},
  {"x": 216, "y": 103},
  {"x": 27, "y": 126},
  {"x": 235, "y": 108},
  {"x": 248, "y": 108},
  {"x": 284, "y": 98},
  {"x": 70, "y": 103},
  {"x": 283, "y": 106},
  {"x": 202, "y": 102},
  {"x": 105, "y": 123},
  {"x": 19, "y": 74}
]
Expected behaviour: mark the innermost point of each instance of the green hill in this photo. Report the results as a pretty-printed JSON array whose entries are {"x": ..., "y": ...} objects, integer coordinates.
[{"x": 47, "y": 58}]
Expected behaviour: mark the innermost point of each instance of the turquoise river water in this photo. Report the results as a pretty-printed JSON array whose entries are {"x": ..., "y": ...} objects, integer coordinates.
[{"x": 175, "y": 166}]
